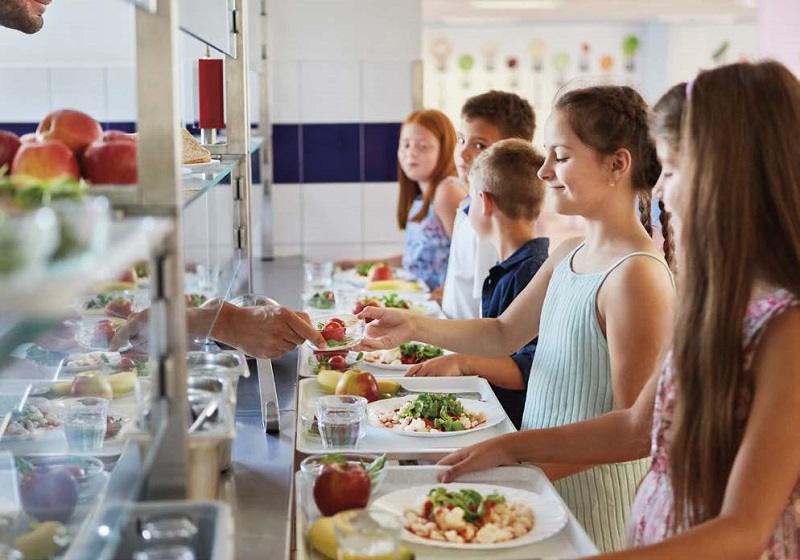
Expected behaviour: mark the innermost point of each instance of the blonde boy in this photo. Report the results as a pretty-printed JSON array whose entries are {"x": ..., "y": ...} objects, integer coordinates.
[{"x": 506, "y": 198}]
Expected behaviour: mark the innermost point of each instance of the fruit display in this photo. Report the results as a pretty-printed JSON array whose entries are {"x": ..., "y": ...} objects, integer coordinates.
[
  {"x": 69, "y": 144},
  {"x": 49, "y": 494}
]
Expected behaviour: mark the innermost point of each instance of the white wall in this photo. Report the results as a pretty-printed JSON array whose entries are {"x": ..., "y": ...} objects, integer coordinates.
[{"x": 340, "y": 62}]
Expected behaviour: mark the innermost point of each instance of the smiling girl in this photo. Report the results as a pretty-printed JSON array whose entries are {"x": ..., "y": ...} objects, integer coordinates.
[
  {"x": 429, "y": 195},
  {"x": 601, "y": 306}
]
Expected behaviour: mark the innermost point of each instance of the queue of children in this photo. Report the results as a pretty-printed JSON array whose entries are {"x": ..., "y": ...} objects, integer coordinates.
[{"x": 709, "y": 390}]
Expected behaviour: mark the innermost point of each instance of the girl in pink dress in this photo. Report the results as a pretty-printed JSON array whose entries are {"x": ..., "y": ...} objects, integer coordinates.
[{"x": 725, "y": 476}]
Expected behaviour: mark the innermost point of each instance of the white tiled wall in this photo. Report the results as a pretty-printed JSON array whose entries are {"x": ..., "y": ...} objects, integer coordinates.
[
  {"x": 121, "y": 94},
  {"x": 29, "y": 84},
  {"x": 284, "y": 94},
  {"x": 287, "y": 215},
  {"x": 386, "y": 90},
  {"x": 329, "y": 92},
  {"x": 380, "y": 207},
  {"x": 83, "y": 89},
  {"x": 332, "y": 213}
]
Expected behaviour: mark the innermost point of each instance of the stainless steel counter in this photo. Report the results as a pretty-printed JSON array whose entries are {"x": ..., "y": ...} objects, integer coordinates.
[{"x": 259, "y": 485}]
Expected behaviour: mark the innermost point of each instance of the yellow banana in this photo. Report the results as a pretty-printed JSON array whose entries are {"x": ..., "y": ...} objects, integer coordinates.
[
  {"x": 122, "y": 382},
  {"x": 388, "y": 387},
  {"x": 322, "y": 537},
  {"x": 113, "y": 287},
  {"x": 393, "y": 286},
  {"x": 39, "y": 544},
  {"x": 328, "y": 379}
]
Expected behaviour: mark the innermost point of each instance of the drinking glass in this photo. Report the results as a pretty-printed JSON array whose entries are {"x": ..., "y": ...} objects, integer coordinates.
[
  {"x": 319, "y": 275},
  {"x": 165, "y": 552},
  {"x": 84, "y": 421},
  {"x": 365, "y": 534},
  {"x": 342, "y": 419}
]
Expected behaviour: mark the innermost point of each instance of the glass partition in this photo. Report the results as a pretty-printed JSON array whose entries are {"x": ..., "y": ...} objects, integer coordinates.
[{"x": 210, "y": 21}]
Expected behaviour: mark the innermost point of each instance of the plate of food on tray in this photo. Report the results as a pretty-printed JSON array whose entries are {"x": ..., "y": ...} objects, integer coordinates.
[
  {"x": 324, "y": 300},
  {"x": 38, "y": 417},
  {"x": 402, "y": 357},
  {"x": 433, "y": 415},
  {"x": 341, "y": 332},
  {"x": 363, "y": 274},
  {"x": 393, "y": 300},
  {"x": 110, "y": 304},
  {"x": 473, "y": 516}
]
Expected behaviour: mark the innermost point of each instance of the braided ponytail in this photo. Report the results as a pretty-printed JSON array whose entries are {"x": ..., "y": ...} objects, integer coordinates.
[
  {"x": 669, "y": 238},
  {"x": 645, "y": 211}
]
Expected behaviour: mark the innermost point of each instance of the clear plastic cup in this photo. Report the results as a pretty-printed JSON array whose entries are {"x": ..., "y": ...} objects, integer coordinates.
[
  {"x": 84, "y": 422},
  {"x": 367, "y": 534},
  {"x": 342, "y": 420},
  {"x": 319, "y": 275}
]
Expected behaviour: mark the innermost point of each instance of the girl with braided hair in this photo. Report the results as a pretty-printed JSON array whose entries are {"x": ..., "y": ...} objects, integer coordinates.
[
  {"x": 723, "y": 414},
  {"x": 601, "y": 306}
]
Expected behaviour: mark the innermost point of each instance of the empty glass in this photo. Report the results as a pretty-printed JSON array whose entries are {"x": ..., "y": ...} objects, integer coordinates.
[
  {"x": 341, "y": 419},
  {"x": 319, "y": 275}
]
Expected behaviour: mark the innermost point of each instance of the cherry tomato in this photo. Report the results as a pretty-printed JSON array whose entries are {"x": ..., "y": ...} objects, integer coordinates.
[
  {"x": 337, "y": 321},
  {"x": 103, "y": 332},
  {"x": 332, "y": 331},
  {"x": 338, "y": 363}
]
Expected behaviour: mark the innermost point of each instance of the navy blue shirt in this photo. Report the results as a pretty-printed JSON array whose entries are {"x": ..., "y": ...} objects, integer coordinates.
[{"x": 505, "y": 281}]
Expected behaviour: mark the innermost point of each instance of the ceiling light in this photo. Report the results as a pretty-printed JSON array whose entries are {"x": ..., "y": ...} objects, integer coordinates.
[{"x": 516, "y": 4}]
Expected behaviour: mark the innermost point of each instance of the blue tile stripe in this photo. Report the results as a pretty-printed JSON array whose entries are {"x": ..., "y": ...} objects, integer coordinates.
[{"x": 335, "y": 153}]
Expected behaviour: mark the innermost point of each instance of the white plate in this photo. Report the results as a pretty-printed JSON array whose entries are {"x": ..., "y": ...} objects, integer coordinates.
[
  {"x": 493, "y": 412},
  {"x": 548, "y": 514},
  {"x": 351, "y": 277},
  {"x": 112, "y": 357}
]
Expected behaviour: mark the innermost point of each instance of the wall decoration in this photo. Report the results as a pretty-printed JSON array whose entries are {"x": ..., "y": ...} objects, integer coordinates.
[
  {"x": 630, "y": 46},
  {"x": 719, "y": 56},
  {"x": 537, "y": 49},
  {"x": 583, "y": 59},
  {"x": 607, "y": 66},
  {"x": 513, "y": 73},
  {"x": 489, "y": 52},
  {"x": 466, "y": 62},
  {"x": 441, "y": 49},
  {"x": 560, "y": 63}
]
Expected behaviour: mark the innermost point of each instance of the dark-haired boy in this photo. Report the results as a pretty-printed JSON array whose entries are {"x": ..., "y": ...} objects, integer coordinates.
[{"x": 485, "y": 119}]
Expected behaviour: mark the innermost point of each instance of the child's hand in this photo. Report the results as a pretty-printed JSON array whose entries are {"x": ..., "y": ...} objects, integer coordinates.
[
  {"x": 443, "y": 366},
  {"x": 387, "y": 328},
  {"x": 479, "y": 457}
]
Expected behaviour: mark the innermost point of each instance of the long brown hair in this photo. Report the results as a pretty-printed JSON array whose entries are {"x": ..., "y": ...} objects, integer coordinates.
[
  {"x": 741, "y": 194},
  {"x": 608, "y": 118},
  {"x": 440, "y": 126},
  {"x": 665, "y": 124}
]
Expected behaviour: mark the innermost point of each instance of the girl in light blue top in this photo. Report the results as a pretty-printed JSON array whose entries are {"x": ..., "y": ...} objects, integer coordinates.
[{"x": 601, "y": 306}]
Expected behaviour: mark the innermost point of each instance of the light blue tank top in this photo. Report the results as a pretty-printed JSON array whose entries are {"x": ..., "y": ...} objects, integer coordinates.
[
  {"x": 571, "y": 381},
  {"x": 571, "y": 373}
]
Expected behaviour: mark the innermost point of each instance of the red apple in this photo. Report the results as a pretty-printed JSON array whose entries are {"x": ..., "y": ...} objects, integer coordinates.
[
  {"x": 45, "y": 160},
  {"x": 341, "y": 486},
  {"x": 76, "y": 129},
  {"x": 339, "y": 363},
  {"x": 91, "y": 384},
  {"x": 111, "y": 160},
  {"x": 9, "y": 144},
  {"x": 49, "y": 494},
  {"x": 380, "y": 272},
  {"x": 358, "y": 382},
  {"x": 119, "y": 307},
  {"x": 128, "y": 275}
]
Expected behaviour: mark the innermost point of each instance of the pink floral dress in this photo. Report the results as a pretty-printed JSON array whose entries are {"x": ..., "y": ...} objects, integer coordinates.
[{"x": 651, "y": 514}]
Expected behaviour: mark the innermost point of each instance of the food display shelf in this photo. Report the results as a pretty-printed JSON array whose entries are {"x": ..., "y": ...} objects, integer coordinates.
[
  {"x": 131, "y": 240},
  {"x": 397, "y": 446},
  {"x": 569, "y": 542}
]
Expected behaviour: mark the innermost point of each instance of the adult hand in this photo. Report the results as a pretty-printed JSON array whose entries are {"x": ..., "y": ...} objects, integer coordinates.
[
  {"x": 134, "y": 330},
  {"x": 436, "y": 294},
  {"x": 266, "y": 331},
  {"x": 443, "y": 366},
  {"x": 479, "y": 457},
  {"x": 389, "y": 328}
]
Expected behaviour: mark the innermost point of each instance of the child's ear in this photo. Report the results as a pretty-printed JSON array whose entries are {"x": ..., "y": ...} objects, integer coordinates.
[
  {"x": 488, "y": 202},
  {"x": 619, "y": 164}
]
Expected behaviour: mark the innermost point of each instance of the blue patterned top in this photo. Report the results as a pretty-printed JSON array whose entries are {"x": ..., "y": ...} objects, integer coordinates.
[{"x": 427, "y": 246}]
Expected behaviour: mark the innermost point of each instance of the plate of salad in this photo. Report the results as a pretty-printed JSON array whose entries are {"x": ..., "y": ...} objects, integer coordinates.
[
  {"x": 325, "y": 299},
  {"x": 433, "y": 415},
  {"x": 402, "y": 357},
  {"x": 341, "y": 332},
  {"x": 486, "y": 516}
]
